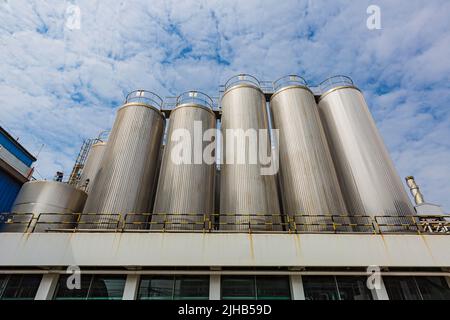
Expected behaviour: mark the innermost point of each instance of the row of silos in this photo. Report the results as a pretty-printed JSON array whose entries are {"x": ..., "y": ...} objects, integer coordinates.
[{"x": 332, "y": 161}]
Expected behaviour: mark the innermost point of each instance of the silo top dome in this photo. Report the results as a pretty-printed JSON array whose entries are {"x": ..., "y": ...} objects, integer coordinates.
[
  {"x": 289, "y": 80},
  {"x": 144, "y": 97},
  {"x": 195, "y": 97},
  {"x": 242, "y": 79},
  {"x": 335, "y": 81}
]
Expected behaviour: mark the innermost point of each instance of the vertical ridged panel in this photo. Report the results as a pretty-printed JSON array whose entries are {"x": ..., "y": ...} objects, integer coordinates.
[
  {"x": 308, "y": 179},
  {"x": 92, "y": 165},
  {"x": 368, "y": 179},
  {"x": 126, "y": 182},
  {"x": 185, "y": 191},
  {"x": 243, "y": 189}
]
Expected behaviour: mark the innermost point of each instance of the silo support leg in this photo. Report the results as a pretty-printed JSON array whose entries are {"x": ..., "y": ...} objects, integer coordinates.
[
  {"x": 131, "y": 287},
  {"x": 214, "y": 287},
  {"x": 297, "y": 287},
  {"x": 380, "y": 293},
  {"x": 47, "y": 287}
]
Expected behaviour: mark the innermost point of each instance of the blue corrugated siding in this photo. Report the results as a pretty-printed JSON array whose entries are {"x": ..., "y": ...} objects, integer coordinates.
[
  {"x": 11, "y": 147},
  {"x": 9, "y": 188}
]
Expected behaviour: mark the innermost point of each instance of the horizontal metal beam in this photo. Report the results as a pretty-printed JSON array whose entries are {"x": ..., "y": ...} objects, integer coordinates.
[{"x": 161, "y": 250}]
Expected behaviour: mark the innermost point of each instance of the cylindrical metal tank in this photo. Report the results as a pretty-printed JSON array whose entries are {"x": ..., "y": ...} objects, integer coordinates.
[
  {"x": 53, "y": 202},
  {"x": 92, "y": 166},
  {"x": 248, "y": 198},
  {"x": 310, "y": 188},
  {"x": 127, "y": 179},
  {"x": 368, "y": 179},
  {"x": 185, "y": 195}
]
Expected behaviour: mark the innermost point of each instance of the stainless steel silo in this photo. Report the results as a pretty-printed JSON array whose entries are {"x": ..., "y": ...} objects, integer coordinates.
[
  {"x": 92, "y": 166},
  {"x": 53, "y": 202},
  {"x": 310, "y": 188},
  {"x": 127, "y": 179},
  {"x": 248, "y": 198},
  {"x": 368, "y": 179},
  {"x": 185, "y": 195}
]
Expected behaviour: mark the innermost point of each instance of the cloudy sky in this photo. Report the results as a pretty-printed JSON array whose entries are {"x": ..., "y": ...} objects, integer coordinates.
[{"x": 60, "y": 84}]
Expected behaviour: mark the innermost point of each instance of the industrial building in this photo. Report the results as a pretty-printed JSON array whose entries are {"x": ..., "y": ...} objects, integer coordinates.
[
  {"x": 15, "y": 169},
  {"x": 335, "y": 222}
]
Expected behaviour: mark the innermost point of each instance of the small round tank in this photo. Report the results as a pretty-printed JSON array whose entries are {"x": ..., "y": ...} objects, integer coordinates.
[
  {"x": 307, "y": 176},
  {"x": 92, "y": 166},
  {"x": 127, "y": 180},
  {"x": 368, "y": 179},
  {"x": 185, "y": 194},
  {"x": 247, "y": 197},
  {"x": 53, "y": 202}
]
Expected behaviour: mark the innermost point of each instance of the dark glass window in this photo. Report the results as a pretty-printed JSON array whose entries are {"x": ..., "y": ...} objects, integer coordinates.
[
  {"x": 238, "y": 287},
  {"x": 336, "y": 288},
  {"x": 256, "y": 287},
  {"x": 174, "y": 287},
  {"x": 417, "y": 288},
  {"x": 320, "y": 288},
  {"x": 19, "y": 287},
  {"x": 353, "y": 288},
  {"x": 93, "y": 287},
  {"x": 273, "y": 288},
  {"x": 191, "y": 288},
  {"x": 433, "y": 288}
]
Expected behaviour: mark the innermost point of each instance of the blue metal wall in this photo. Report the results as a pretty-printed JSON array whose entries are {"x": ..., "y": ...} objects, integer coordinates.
[
  {"x": 9, "y": 188},
  {"x": 16, "y": 151}
]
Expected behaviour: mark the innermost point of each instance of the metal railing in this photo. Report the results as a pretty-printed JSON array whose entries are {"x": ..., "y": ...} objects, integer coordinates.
[
  {"x": 195, "y": 97},
  {"x": 227, "y": 223},
  {"x": 146, "y": 97},
  {"x": 335, "y": 81},
  {"x": 289, "y": 80},
  {"x": 242, "y": 79}
]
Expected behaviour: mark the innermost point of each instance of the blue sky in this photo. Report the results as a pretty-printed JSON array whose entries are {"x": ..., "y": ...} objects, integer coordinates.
[{"x": 58, "y": 86}]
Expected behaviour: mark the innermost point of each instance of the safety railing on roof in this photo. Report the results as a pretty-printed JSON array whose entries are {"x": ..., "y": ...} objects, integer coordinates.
[
  {"x": 195, "y": 97},
  {"x": 226, "y": 223},
  {"x": 146, "y": 97},
  {"x": 335, "y": 81}
]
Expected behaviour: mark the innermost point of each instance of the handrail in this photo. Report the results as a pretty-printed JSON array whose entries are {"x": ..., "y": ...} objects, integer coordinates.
[
  {"x": 192, "y": 222},
  {"x": 289, "y": 80},
  {"x": 241, "y": 79},
  {"x": 335, "y": 81},
  {"x": 146, "y": 97},
  {"x": 195, "y": 97}
]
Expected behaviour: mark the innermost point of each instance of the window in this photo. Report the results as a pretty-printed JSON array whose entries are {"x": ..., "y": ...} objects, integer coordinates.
[
  {"x": 19, "y": 287},
  {"x": 256, "y": 287},
  {"x": 174, "y": 288},
  {"x": 336, "y": 288},
  {"x": 320, "y": 288},
  {"x": 417, "y": 288},
  {"x": 93, "y": 287}
]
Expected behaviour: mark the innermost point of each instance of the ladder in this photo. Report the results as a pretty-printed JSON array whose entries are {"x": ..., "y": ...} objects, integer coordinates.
[{"x": 80, "y": 161}]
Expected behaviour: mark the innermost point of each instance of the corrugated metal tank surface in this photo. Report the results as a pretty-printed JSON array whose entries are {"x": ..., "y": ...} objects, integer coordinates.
[
  {"x": 92, "y": 166},
  {"x": 186, "y": 190},
  {"x": 368, "y": 179},
  {"x": 308, "y": 179},
  {"x": 48, "y": 199},
  {"x": 126, "y": 180},
  {"x": 246, "y": 195}
]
